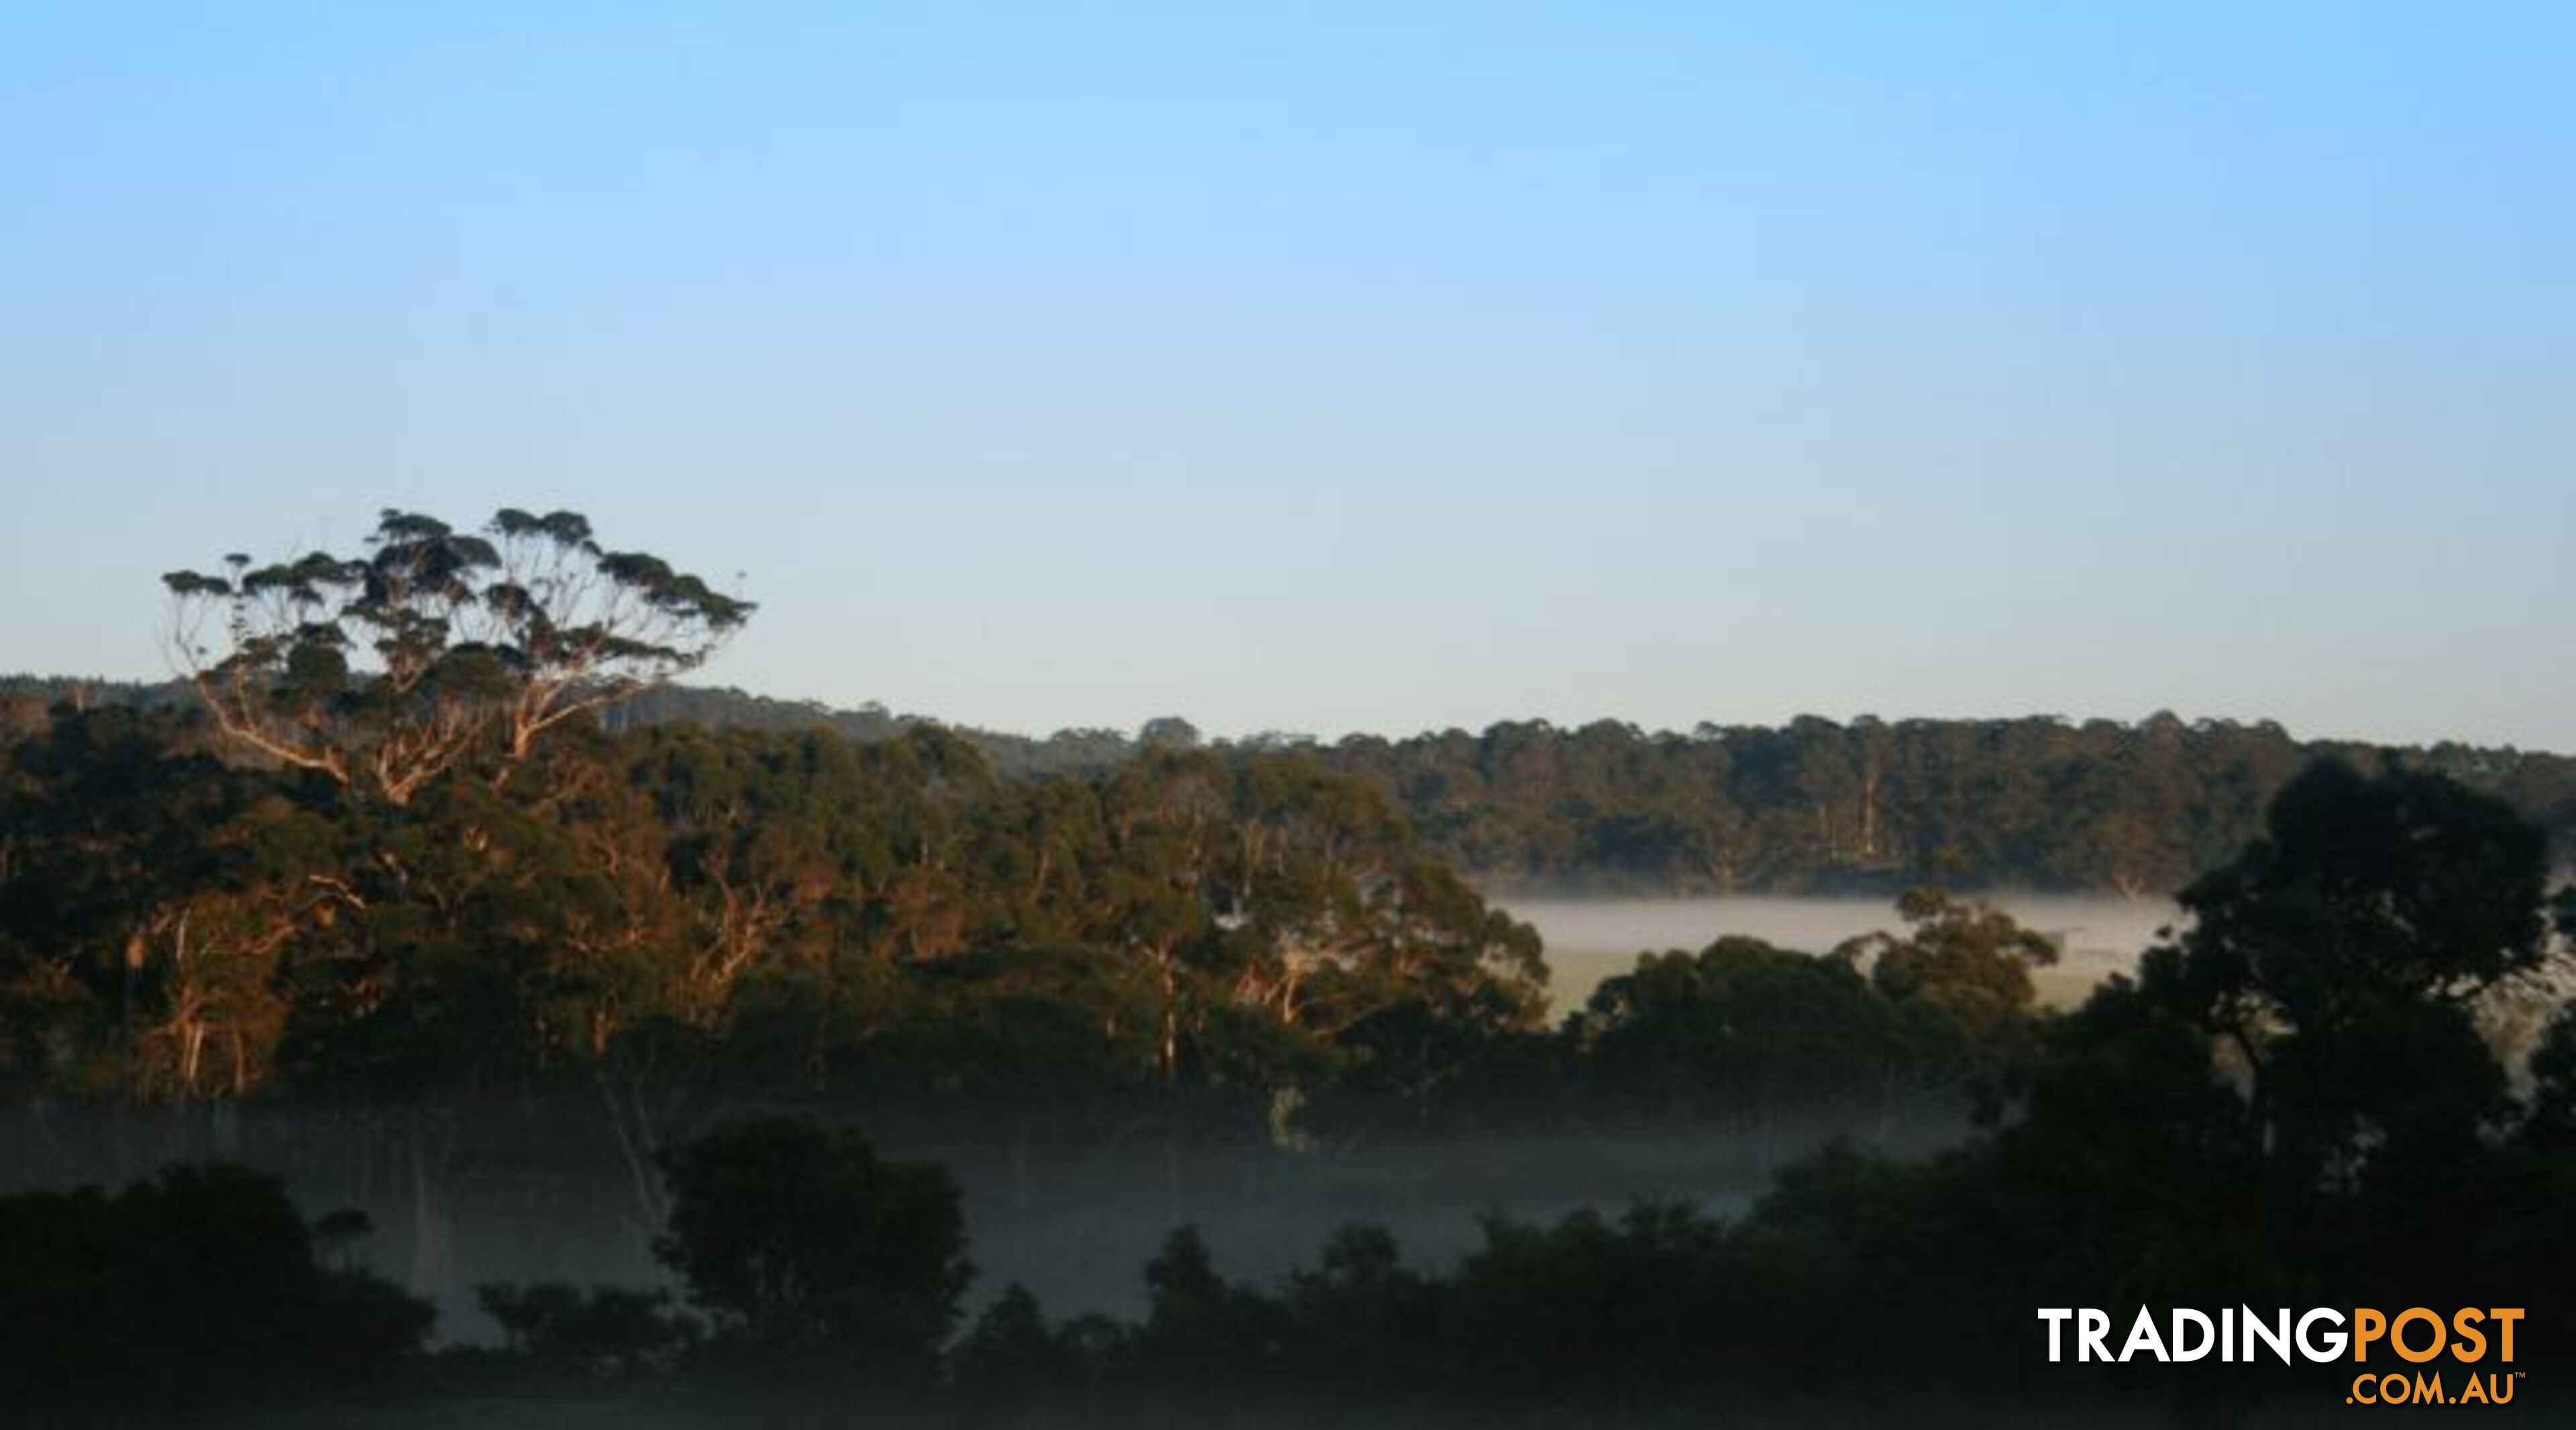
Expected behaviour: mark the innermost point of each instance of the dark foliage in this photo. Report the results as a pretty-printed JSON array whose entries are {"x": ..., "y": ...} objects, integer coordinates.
[
  {"x": 599, "y": 1333},
  {"x": 798, "y": 1240},
  {"x": 198, "y": 1288}
]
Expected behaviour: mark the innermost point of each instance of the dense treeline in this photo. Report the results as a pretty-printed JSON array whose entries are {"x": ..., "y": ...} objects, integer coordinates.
[
  {"x": 678, "y": 904},
  {"x": 1814, "y": 806},
  {"x": 1255, "y": 938},
  {"x": 2034, "y": 803}
]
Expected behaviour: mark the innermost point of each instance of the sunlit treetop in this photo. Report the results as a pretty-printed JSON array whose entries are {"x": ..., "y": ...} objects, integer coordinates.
[{"x": 387, "y": 669}]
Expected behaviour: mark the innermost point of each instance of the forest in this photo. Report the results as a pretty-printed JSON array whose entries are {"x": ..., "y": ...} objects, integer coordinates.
[
  {"x": 433, "y": 842},
  {"x": 1816, "y": 806}
]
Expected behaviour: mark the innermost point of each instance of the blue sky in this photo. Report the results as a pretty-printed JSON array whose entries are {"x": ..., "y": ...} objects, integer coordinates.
[{"x": 1337, "y": 367}]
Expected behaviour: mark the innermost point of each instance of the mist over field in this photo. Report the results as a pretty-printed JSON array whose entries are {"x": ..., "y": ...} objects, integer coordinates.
[
  {"x": 1074, "y": 1223},
  {"x": 1589, "y": 939}
]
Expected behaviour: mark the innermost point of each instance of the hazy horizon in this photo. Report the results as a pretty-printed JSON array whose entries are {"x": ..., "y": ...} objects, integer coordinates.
[{"x": 1043, "y": 731}]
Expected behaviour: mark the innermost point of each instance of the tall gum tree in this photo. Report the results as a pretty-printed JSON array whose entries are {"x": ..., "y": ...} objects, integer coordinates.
[{"x": 386, "y": 670}]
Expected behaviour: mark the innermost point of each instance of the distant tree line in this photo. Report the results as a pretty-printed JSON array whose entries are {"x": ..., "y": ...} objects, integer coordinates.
[
  {"x": 2034, "y": 803},
  {"x": 1815, "y": 806},
  {"x": 1874, "y": 806}
]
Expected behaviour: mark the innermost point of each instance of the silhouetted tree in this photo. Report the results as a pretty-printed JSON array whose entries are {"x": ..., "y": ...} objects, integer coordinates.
[
  {"x": 796, "y": 1237},
  {"x": 2339, "y": 958},
  {"x": 1201, "y": 1330},
  {"x": 1012, "y": 1350}
]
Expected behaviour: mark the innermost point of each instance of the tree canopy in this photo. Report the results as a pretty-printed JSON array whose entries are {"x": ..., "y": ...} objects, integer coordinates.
[{"x": 387, "y": 669}]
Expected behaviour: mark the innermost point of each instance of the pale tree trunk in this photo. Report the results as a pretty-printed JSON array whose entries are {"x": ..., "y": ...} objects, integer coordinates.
[
  {"x": 1869, "y": 782},
  {"x": 637, "y": 1136}
]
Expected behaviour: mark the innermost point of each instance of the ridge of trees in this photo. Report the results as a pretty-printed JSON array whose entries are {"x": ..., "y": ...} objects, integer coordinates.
[{"x": 1868, "y": 806}]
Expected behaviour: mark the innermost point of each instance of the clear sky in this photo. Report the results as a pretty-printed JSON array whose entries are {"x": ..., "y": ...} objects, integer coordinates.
[{"x": 1326, "y": 367}]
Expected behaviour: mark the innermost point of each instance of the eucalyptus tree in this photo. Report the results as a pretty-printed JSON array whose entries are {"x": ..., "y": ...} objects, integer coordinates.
[{"x": 385, "y": 670}]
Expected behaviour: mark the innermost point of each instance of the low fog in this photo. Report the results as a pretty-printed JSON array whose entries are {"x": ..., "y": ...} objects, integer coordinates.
[
  {"x": 542, "y": 1193},
  {"x": 1589, "y": 940},
  {"x": 550, "y": 1193}
]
